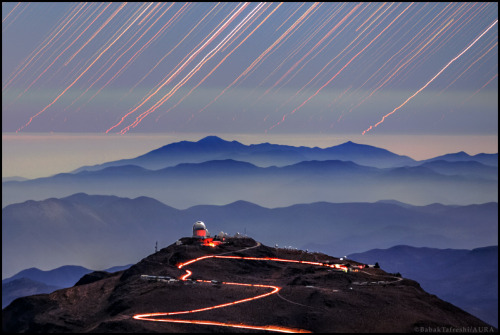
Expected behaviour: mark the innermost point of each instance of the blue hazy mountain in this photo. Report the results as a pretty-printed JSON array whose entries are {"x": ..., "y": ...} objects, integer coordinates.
[
  {"x": 486, "y": 159},
  {"x": 466, "y": 278},
  {"x": 220, "y": 182},
  {"x": 35, "y": 281},
  {"x": 64, "y": 276},
  {"x": 100, "y": 231},
  {"x": 23, "y": 287},
  {"x": 264, "y": 154},
  {"x": 463, "y": 168},
  {"x": 14, "y": 178}
]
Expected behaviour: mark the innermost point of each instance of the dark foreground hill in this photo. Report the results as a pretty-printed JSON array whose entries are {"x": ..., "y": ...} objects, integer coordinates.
[
  {"x": 314, "y": 298},
  {"x": 35, "y": 281}
]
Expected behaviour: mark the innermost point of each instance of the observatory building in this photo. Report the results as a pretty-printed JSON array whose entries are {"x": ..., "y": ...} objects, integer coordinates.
[
  {"x": 201, "y": 234},
  {"x": 200, "y": 230}
]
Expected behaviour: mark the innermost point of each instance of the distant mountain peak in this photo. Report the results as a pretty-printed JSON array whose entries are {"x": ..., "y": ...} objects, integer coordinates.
[
  {"x": 348, "y": 144},
  {"x": 460, "y": 154},
  {"x": 351, "y": 144},
  {"x": 212, "y": 138}
]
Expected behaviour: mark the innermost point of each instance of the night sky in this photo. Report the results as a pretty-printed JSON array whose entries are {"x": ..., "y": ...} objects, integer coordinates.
[
  {"x": 250, "y": 68},
  {"x": 88, "y": 83}
]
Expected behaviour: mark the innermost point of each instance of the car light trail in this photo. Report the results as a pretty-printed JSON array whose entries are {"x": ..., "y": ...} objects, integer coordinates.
[
  {"x": 146, "y": 317},
  {"x": 274, "y": 289},
  {"x": 335, "y": 266}
]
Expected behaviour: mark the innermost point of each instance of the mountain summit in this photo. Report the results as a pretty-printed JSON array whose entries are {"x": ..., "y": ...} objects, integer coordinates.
[{"x": 237, "y": 285}]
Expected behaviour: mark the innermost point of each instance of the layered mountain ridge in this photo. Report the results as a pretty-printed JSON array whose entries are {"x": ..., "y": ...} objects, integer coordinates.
[
  {"x": 222, "y": 172},
  {"x": 106, "y": 228}
]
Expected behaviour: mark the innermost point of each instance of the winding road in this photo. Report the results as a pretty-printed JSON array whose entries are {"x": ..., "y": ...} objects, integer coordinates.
[{"x": 160, "y": 317}]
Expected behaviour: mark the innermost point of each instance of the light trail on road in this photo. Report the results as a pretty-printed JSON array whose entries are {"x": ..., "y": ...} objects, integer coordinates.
[{"x": 274, "y": 289}]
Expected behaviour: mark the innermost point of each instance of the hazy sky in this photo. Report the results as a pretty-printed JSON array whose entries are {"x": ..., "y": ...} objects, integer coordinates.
[{"x": 294, "y": 69}]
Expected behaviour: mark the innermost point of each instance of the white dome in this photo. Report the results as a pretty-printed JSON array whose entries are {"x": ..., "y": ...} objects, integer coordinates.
[{"x": 199, "y": 225}]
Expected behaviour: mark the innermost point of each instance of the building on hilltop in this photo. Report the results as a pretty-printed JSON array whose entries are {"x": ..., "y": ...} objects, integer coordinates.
[
  {"x": 200, "y": 230},
  {"x": 201, "y": 233}
]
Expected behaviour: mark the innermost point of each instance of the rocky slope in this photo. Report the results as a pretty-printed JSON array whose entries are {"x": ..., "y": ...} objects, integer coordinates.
[{"x": 312, "y": 297}]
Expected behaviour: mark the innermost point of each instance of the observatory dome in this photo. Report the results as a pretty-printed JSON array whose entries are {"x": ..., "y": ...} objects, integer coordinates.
[
  {"x": 200, "y": 230},
  {"x": 199, "y": 225}
]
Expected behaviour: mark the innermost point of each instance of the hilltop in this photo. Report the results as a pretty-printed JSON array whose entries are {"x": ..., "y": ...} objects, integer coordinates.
[{"x": 317, "y": 297}]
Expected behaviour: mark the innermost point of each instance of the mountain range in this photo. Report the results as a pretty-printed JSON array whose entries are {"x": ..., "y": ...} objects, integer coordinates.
[
  {"x": 263, "y": 155},
  {"x": 266, "y": 154},
  {"x": 217, "y": 172},
  {"x": 233, "y": 293},
  {"x": 101, "y": 231},
  {"x": 466, "y": 278}
]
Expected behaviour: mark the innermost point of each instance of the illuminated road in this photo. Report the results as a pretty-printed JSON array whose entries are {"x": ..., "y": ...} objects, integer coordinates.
[{"x": 273, "y": 290}]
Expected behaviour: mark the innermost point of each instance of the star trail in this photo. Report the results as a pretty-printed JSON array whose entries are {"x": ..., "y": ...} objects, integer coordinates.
[{"x": 249, "y": 67}]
